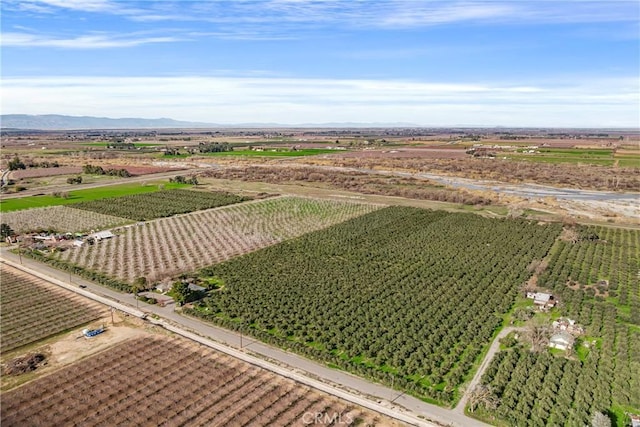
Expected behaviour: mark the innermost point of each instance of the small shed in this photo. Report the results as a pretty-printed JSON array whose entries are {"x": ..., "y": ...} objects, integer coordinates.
[
  {"x": 100, "y": 235},
  {"x": 562, "y": 341},
  {"x": 196, "y": 288},
  {"x": 542, "y": 299}
]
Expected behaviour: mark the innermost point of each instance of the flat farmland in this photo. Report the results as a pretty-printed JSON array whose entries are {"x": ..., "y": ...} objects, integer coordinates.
[
  {"x": 77, "y": 196},
  {"x": 166, "y": 247},
  {"x": 42, "y": 172},
  {"x": 61, "y": 219},
  {"x": 137, "y": 170},
  {"x": 401, "y": 295},
  {"x": 162, "y": 381},
  {"x": 32, "y": 309},
  {"x": 406, "y": 152}
]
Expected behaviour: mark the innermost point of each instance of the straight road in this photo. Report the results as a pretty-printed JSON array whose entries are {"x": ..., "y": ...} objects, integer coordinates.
[{"x": 377, "y": 393}]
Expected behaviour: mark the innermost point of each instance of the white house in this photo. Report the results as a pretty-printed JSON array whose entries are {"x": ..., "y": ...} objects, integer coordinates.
[{"x": 562, "y": 341}]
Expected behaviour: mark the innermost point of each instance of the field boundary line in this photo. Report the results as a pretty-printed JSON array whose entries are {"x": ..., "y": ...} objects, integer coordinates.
[{"x": 253, "y": 360}]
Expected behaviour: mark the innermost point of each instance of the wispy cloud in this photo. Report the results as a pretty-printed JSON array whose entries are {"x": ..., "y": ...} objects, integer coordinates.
[
  {"x": 586, "y": 103},
  {"x": 89, "y": 41},
  {"x": 86, "y": 5},
  {"x": 438, "y": 13},
  {"x": 351, "y": 13}
]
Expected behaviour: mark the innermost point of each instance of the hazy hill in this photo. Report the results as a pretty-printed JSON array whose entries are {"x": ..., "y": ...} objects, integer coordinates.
[{"x": 55, "y": 121}]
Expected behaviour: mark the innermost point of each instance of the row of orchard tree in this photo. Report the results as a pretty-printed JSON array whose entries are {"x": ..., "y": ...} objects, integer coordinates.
[{"x": 408, "y": 295}]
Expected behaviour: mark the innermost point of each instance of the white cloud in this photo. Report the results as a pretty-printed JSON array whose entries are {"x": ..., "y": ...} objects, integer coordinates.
[
  {"x": 595, "y": 103},
  {"x": 302, "y": 14},
  {"x": 415, "y": 15},
  {"x": 86, "y": 5},
  {"x": 90, "y": 41}
]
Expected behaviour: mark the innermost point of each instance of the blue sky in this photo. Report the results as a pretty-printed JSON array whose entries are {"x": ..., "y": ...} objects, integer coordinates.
[{"x": 572, "y": 63}]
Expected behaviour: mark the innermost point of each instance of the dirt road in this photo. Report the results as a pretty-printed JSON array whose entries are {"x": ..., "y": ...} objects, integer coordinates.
[{"x": 495, "y": 347}]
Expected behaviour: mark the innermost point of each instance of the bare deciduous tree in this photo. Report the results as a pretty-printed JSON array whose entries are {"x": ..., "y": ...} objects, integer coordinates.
[
  {"x": 600, "y": 420},
  {"x": 483, "y": 395},
  {"x": 538, "y": 334}
]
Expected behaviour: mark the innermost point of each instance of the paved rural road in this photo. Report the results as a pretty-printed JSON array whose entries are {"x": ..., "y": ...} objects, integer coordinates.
[
  {"x": 342, "y": 380},
  {"x": 495, "y": 347}
]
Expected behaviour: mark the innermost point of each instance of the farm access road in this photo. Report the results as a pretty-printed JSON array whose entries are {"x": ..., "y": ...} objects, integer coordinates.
[
  {"x": 338, "y": 383},
  {"x": 495, "y": 347}
]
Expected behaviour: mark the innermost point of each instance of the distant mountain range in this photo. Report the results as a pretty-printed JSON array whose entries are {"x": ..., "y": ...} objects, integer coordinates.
[
  {"x": 61, "y": 122},
  {"x": 56, "y": 122}
]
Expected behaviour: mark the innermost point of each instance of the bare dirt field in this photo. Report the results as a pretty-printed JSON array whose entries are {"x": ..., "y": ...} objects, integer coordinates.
[
  {"x": 42, "y": 172},
  {"x": 158, "y": 380},
  {"x": 63, "y": 350}
]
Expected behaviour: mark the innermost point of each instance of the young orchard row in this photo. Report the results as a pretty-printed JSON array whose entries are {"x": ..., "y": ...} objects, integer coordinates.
[
  {"x": 158, "y": 204},
  {"x": 61, "y": 219},
  {"x": 31, "y": 309},
  {"x": 153, "y": 381},
  {"x": 167, "y": 247},
  {"x": 401, "y": 292}
]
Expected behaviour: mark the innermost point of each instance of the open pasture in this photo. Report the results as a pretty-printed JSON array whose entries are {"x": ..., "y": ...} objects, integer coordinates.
[
  {"x": 426, "y": 152},
  {"x": 77, "y": 196},
  {"x": 272, "y": 152}
]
